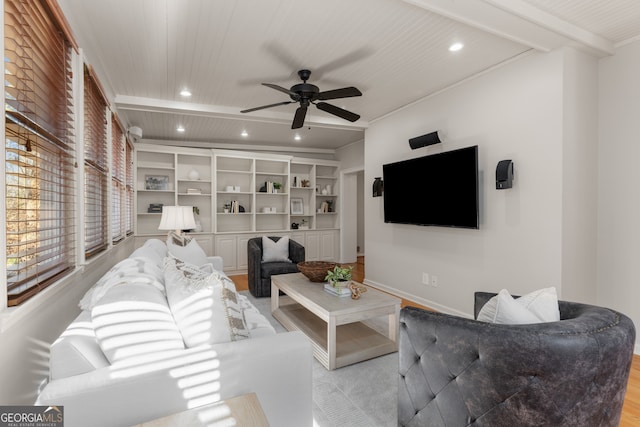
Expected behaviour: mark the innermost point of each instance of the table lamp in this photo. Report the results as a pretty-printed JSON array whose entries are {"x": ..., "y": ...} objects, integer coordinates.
[{"x": 175, "y": 219}]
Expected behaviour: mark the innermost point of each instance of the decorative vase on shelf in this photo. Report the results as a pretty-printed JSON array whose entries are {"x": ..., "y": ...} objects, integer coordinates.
[{"x": 194, "y": 175}]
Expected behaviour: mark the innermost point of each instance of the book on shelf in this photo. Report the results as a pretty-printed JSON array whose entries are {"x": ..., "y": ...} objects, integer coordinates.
[
  {"x": 342, "y": 291},
  {"x": 194, "y": 191}
]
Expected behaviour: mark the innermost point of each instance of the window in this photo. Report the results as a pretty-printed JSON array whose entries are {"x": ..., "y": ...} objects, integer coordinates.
[
  {"x": 95, "y": 166},
  {"x": 129, "y": 196},
  {"x": 39, "y": 149},
  {"x": 118, "y": 175}
]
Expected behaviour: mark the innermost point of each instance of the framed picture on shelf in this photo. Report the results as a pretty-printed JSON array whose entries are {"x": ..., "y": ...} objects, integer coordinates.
[
  {"x": 296, "y": 206},
  {"x": 156, "y": 182}
]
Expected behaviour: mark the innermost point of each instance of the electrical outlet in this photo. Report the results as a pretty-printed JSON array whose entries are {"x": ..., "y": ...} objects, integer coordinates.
[
  {"x": 425, "y": 278},
  {"x": 434, "y": 280}
]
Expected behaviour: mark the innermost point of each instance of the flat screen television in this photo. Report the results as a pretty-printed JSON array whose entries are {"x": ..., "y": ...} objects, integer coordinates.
[{"x": 439, "y": 189}]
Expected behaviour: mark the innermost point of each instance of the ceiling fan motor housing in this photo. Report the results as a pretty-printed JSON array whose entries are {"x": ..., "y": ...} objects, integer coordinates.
[{"x": 305, "y": 91}]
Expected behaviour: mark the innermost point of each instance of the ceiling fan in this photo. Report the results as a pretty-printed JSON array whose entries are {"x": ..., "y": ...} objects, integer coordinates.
[{"x": 306, "y": 94}]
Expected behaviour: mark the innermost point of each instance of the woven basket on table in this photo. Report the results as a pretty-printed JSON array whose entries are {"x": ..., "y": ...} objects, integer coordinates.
[{"x": 315, "y": 271}]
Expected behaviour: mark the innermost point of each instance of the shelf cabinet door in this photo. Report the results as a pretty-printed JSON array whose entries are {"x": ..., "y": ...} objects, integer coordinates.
[
  {"x": 227, "y": 248},
  {"x": 312, "y": 246},
  {"x": 205, "y": 242},
  {"x": 328, "y": 242},
  {"x": 242, "y": 258}
]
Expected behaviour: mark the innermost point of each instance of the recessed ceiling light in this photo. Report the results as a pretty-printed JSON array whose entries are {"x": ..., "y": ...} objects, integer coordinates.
[
  {"x": 185, "y": 92},
  {"x": 180, "y": 128},
  {"x": 297, "y": 137},
  {"x": 455, "y": 47},
  {"x": 244, "y": 134}
]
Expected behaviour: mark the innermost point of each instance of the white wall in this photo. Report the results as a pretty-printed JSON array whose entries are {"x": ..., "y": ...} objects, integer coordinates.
[
  {"x": 351, "y": 160},
  {"x": 619, "y": 182},
  {"x": 27, "y": 331},
  {"x": 362, "y": 192},
  {"x": 580, "y": 178},
  {"x": 513, "y": 112}
]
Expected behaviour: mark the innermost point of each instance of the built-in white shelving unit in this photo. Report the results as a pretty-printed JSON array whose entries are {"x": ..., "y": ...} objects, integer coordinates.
[{"x": 240, "y": 195}]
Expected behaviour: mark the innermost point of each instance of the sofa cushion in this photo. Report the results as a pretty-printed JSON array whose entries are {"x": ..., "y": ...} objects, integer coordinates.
[
  {"x": 76, "y": 351},
  {"x": 205, "y": 305},
  {"x": 191, "y": 252},
  {"x": 275, "y": 251},
  {"x": 140, "y": 270},
  {"x": 132, "y": 320},
  {"x": 535, "y": 307}
]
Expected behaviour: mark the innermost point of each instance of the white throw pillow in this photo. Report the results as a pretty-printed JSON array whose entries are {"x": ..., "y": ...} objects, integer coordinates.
[
  {"x": 133, "y": 320},
  {"x": 191, "y": 252},
  {"x": 536, "y": 307},
  {"x": 205, "y": 305},
  {"x": 275, "y": 251}
]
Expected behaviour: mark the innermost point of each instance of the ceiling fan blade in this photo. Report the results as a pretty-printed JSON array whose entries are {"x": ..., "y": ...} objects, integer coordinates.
[
  {"x": 345, "y": 92},
  {"x": 281, "y": 89},
  {"x": 298, "y": 119},
  {"x": 337, "y": 111},
  {"x": 267, "y": 106}
]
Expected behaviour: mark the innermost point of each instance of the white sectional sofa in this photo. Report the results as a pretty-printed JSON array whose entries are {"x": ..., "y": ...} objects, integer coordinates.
[{"x": 154, "y": 373}]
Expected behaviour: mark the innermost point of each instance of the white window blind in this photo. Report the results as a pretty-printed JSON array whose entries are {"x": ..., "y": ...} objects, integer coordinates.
[
  {"x": 95, "y": 166},
  {"x": 39, "y": 149}
]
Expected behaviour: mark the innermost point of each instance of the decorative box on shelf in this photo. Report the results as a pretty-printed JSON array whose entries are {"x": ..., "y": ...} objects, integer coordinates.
[{"x": 154, "y": 208}]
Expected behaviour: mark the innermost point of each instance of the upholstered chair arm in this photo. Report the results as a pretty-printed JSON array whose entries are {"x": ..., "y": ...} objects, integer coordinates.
[
  {"x": 254, "y": 258},
  {"x": 296, "y": 252},
  {"x": 458, "y": 371}
]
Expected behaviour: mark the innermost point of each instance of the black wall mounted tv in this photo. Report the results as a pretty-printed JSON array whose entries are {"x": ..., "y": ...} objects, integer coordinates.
[{"x": 439, "y": 189}]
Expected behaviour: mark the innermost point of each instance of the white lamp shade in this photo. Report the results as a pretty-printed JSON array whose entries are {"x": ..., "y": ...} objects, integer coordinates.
[{"x": 177, "y": 218}]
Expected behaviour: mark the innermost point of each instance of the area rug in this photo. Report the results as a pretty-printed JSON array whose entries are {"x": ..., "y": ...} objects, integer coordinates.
[{"x": 363, "y": 394}]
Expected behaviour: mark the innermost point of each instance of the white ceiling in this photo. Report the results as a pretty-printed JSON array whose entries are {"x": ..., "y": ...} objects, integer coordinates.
[{"x": 396, "y": 52}]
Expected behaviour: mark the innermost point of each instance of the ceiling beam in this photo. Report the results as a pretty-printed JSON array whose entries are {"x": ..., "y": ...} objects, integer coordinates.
[
  {"x": 242, "y": 147},
  {"x": 518, "y": 21},
  {"x": 218, "y": 111},
  {"x": 532, "y": 14}
]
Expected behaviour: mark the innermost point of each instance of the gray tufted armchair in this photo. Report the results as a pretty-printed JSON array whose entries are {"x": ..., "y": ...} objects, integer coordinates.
[
  {"x": 259, "y": 273},
  {"x": 461, "y": 372}
]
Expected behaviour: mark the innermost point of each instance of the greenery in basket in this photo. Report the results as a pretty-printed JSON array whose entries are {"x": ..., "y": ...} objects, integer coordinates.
[
  {"x": 277, "y": 185},
  {"x": 338, "y": 274}
]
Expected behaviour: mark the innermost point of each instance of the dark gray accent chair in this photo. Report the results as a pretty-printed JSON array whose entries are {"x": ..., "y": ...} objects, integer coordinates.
[
  {"x": 462, "y": 372},
  {"x": 259, "y": 273}
]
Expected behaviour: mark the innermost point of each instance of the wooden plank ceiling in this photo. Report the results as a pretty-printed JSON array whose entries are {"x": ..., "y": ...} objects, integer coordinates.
[{"x": 396, "y": 52}]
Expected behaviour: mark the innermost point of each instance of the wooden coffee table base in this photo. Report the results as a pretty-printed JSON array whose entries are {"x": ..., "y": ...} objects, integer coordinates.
[{"x": 334, "y": 324}]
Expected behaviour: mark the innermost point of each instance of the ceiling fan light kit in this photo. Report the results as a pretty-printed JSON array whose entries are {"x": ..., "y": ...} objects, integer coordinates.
[{"x": 306, "y": 93}]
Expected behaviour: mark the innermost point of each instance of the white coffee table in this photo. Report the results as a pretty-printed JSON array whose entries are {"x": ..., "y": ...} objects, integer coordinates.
[{"x": 334, "y": 324}]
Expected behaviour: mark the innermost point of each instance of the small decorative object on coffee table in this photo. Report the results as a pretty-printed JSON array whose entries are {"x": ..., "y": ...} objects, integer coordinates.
[
  {"x": 315, "y": 271},
  {"x": 357, "y": 290},
  {"x": 339, "y": 276}
]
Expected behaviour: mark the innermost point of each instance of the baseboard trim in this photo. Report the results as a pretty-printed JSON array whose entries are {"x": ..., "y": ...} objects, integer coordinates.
[{"x": 422, "y": 301}]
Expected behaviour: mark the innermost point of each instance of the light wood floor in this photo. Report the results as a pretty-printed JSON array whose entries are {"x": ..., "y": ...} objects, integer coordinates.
[{"x": 630, "y": 410}]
